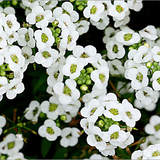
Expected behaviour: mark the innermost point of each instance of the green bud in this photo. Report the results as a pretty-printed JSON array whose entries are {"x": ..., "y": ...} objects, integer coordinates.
[
  {"x": 58, "y": 40},
  {"x": 149, "y": 65},
  {"x": 131, "y": 47},
  {"x": 88, "y": 82},
  {"x": 87, "y": 77},
  {"x": 84, "y": 87},
  {"x": 83, "y": 80},
  {"x": 78, "y": 3},
  {"x": 79, "y": 82},
  {"x": 72, "y": 1},
  {"x": 24, "y": 124},
  {"x": 117, "y": 123},
  {"x": 83, "y": 71},
  {"x": 3, "y": 157},
  {"x": 155, "y": 64},
  {"x": 58, "y": 30},
  {"x": 154, "y": 69},
  {"x": 100, "y": 123},
  {"x": 42, "y": 115},
  {"x": 14, "y": 2},
  {"x": 63, "y": 117},
  {"x": 84, "y": 75},
  {"x": 2, "y": 73},
  {"x": 55, "y": 23},
  {"x": 106, "y": 126},
  {"x": 80, "y": 7},
  {"x": 89, "y": 69},
  {"x": 58, "y": 124},
  {"x": 20, "y": 124}
]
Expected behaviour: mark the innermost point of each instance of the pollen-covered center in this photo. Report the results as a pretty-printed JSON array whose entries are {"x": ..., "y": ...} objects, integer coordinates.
[
  {"x": 158, "y": 80},
  {"x": 84, "y": 55},
  {"x": 92, "y": 111},
  {"x": 73, "y": 68},
  {"x": 119, "y": 8},
  {"x": 64, "y": 11},
  {"x": 129, "y": 114},
  {"x": 114, "y": 111},
  {"x": 32, "y": 1},
  {"x": 39, "y": 18},
  {"x": 102, "y": 77},
  {"x": 69, "y": 39},
  {"x": 14, "y": 58},
  {"x": 157, "y": 127},
  {"x": 27, "y": 38},
  {"x": 115, "y": 135},
  {"x": 139, "y": 77},
  {"x": 10, "y": 145},
  {"x": 158, "y": 53},
  {"x": 67, "y": 91},
  {"x": 44, "y": 37},
  {"x": 115, "y": 49},
  {"x": 52, "y": 107},
  {"x": 50, "y": 130},
  {"x": 9, "y": 23},
  {"x": 98, "y": 138},
  {"x": 156, "y": 153},
  {"x": 127, "y": 36},
  {"x": 11, "y": 36},
  {"x": 93, "y": 10},
  {"x": 46, "y": 54}
]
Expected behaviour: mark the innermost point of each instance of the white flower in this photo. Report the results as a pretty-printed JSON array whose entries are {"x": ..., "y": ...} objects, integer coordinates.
[
  {"x": 100, "y": 77},
  {"x": 92, "y": 110},
  {"x": 10, "y": 146},
  {"x": 39, "y": 17},
  {"x": 155, "y": 51},
  {"x": 3, "y": 39},
  {"x": 30, "y": 4},
  {"x": 14, "y": 58},
  {"x": 115, "y": 50},
  {"x": 50, "y": 4},
  {"x": 46, "y": 56},
  {"x": 127, "y": 36},
  {"x": 19, "y": 137},
  {"x": 73, "y": 67},
  {"x": 67, "y": 92},
  {"x": 152, "y": 152},
  {"x": 131, "y": 114},
  {"x": 3, "y": 84},
  {"x": 114, "y": 110},
  {"x": 153, "y": 127},
  {"x": 93, "y": 10},
  {"x": 2, "y": 123},
  {"x": 86, "y": 125},
  {"x": 26, "y": 37},
  {"x": 135, "y": 5},
  {"x": 138, "y": 77},
  {"x": 52, "y": 108},
  {"x": 18, "y": 155},
  {"x": 32, "y": 112},
  {"x": 69, "y": 136},
  {"x": 44, "y": 38},
  {"x": 149, "y": 32},
  {"x": 82, "y": 27},
  {"x": 49, "y": 130},
  {"x": 96, "y": 156},
  {"x": 10, "y": 24},
  {"x": 11, "y": 38},
  {"x": 118, "y": 9},
  {"x": 156, "y": 80},
  {"x": 136, "y": 155}
]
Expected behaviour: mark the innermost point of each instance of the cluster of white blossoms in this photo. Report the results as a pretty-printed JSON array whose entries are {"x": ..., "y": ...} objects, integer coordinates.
[{"x": 78, "y": 76}]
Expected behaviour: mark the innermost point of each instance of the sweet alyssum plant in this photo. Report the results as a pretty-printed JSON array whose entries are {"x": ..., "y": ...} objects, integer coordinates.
[{"x": 83, "y": 102}]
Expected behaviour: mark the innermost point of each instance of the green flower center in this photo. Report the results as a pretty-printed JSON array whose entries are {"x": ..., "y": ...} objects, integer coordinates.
[
  {"x": 53, "y": 107},
  {"x": 26, "y": 56},
  {"x": 46, "y": 54},
  {"x": 93, "y": 10},
  {"x": 157, "y": 127},
  {"x": 156, "y": 153},
  {"x": 39, "y": 18},
  {"x": 32, "y": 1},
  {"x": 158, "y": 53},
  {"x": 114, "y": 111},
  {"x": 67, "y": 91},
  {"x": 35, "y": 111},
  {"x": 102, "y": 77},
  {"x": 69, "y": 135},
  {"x": 44, "y": 37},
  {"x": 69, "y": 39},
  {"x": 119, "y": 8},
  {"x": 10, "y": 145},
  {"x": 115, "y": 135},
  {"x": 27, "y": 37},
  {"x": 92, "y": 111},
  {"x": 73, "y": 68},
  {"x": 50, "y": 130},
  {"x": 158, "y": 80},
  {"x": 127, "y": 36},
  {"x": 98, "y": 138},
  {"x": 139, "y": 77},
  {"x": 56, "y": 75},
  {"x": 129, "y": 114},
  {"x": 9, "y": 23},
  {"x": 14, "y": 58},
  {"x": 64, "y": 11},
  {"x": 140, "y": 158},
  {"x": 115, "y": 49},
  {"x": 11, "y": 36},
  {"x": 0, "y": 38},
  {"x": 1, "y": 85},
  {"x": 84, "y": 55}
]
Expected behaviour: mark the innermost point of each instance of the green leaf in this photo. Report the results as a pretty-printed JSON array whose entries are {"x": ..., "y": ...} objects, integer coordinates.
[
  {"x": 45, "y": 147},
  {"x": 61, "y": 153}
]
